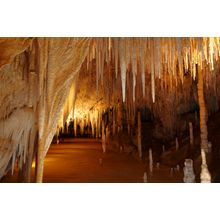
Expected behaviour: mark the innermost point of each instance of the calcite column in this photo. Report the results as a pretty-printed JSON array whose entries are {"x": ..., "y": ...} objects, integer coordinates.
[
  {"x": 40, "y": 162},
  {"x": 205, "y": 175},
  {"x": 202, "y": 111}
]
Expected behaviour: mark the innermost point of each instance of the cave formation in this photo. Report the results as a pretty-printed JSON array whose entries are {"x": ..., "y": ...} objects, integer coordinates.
[{"x": 153, "y": 98}]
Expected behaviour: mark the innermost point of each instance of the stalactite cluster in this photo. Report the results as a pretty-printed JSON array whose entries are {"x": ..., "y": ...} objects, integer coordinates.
[
  {"x": 155, "y": 72},
  {"x": 40, "y": 81}
]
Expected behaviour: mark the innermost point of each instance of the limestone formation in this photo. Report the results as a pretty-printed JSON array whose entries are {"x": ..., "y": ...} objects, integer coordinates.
[{"x": 44, "y": 84}]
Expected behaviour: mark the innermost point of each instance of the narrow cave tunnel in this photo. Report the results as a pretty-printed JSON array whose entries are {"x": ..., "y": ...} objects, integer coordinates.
[{"x": 109, "y": 109}]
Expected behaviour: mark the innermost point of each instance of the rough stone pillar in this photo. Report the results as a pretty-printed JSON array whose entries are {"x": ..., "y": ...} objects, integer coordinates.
[{"x": 139, "y": 135}]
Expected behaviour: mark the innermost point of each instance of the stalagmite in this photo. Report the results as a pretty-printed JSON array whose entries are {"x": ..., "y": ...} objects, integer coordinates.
[
  {"x": 158, "y": 165},
  {"x": 145, "y": 177},
  {"x": 191, "y": 133},
  {"x": 178, "y": 167},
  {"x": 150, "y": 161},
  {"x": 139, "y": 135},
  {"x": 163, "y": 148},
  {"x": 177, "y": 144},
  {"x": 189, "y": 176},
  {"x": 171, "y": 171},
  {"x": 205, "y": 175}
]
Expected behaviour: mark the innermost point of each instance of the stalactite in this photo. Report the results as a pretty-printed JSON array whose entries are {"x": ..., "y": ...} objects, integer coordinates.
[
  {"x": 134, "y": 69},
  {"x": 122, "y": 68},
  {"x": 97, "y": 65},
  {"x": 142, "y": 64},
  {"x": 152, "y": 85},
  {"x": 116, "y": 46},
  {"x": 152, "y": 74}
]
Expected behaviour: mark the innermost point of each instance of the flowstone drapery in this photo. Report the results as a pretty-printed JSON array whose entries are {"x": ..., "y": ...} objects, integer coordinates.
[{"x": 36, "y": 77}]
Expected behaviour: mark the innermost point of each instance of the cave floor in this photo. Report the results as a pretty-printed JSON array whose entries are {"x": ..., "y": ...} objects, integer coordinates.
[{"x": 78, "y": 161}]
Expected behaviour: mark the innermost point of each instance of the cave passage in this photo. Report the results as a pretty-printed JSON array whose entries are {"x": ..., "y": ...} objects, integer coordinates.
[{"x": 109, "y": 109}]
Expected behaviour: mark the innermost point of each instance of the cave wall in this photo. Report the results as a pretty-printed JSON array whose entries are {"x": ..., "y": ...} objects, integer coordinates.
[{"x": 36, "y": 77}]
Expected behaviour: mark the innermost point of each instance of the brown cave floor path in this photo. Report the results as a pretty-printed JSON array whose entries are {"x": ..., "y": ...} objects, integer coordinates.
[{"x": 77, "y": 161}]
